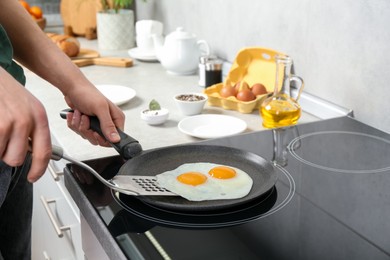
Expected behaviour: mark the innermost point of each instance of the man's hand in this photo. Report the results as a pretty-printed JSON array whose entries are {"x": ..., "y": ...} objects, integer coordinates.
[
  {"x": 23, "y": 120},
  {"x": 87, "y": 100}
]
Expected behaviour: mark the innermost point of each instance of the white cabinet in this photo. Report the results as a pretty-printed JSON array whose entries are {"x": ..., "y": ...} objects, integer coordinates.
[
  {"x": 56, "y": 230},
  {"x": 91, "y": 245}
]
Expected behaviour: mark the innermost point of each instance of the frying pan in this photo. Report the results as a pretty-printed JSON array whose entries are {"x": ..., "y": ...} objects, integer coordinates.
[
  {"x": 151, "y": 163},
  {"x": 160, "y": 160},
  {"x": 143, "y": 218}
]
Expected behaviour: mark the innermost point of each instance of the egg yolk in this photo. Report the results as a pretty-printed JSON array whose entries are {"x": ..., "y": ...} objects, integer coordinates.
[
  {"x": 192, "y": 178},
  {"x": 222, "y": 172}
]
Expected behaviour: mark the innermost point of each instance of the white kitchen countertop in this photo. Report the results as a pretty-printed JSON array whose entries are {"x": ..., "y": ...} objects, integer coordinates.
[{"x": 150, "y": 81}]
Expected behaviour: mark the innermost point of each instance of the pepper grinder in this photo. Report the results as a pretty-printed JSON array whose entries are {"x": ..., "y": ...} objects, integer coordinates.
[{"x": 210, "y": 71}]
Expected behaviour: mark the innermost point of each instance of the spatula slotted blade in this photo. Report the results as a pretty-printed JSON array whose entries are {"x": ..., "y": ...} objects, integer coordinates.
[{"x": 143, "y": 185}]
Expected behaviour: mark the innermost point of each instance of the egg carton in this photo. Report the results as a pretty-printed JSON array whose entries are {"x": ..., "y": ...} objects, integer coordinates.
[
  {"x": 231, "y": 103},
  {"x": 251, "y": 65}
]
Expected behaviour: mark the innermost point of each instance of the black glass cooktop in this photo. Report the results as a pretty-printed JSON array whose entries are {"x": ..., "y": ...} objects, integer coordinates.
[{"x": 331, "y": 201}]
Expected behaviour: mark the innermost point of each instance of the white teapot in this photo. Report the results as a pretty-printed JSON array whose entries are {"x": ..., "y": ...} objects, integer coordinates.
[{"x": 180, "y": 52}]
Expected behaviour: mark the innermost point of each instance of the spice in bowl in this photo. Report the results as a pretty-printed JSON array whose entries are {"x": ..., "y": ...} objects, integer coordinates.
[
  {"x": 190, "y": 103},
  {"x": 190, "y": 97}
]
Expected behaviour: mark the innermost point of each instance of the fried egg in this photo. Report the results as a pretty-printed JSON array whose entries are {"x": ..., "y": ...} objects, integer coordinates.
[{"x": 206, "y": 181}]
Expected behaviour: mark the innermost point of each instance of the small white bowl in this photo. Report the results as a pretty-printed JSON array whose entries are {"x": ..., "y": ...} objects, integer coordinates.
[
  {"x": 155, "y": 117},
  {"x": 190, "y": 107}
]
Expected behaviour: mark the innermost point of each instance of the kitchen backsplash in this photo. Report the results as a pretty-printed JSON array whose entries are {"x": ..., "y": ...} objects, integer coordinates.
[
  {"x": 51, "y": 10},
  {"x": 48, "y": 6},
  {"x": 340, "y": 48}
]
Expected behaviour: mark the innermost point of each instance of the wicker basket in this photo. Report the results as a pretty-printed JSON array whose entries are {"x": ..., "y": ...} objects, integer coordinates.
[{"x": 41, "y": 22}]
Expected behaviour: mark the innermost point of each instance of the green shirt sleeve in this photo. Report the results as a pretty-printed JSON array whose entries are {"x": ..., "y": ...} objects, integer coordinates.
[{"x": 6, "y": 58}]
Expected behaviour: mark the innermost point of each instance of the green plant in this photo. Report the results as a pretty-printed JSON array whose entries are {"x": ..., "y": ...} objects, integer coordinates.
[{"x": 116, "y": 4}]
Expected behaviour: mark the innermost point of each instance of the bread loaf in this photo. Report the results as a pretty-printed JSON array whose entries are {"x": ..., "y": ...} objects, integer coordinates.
[{"x": 69, "y": 45}]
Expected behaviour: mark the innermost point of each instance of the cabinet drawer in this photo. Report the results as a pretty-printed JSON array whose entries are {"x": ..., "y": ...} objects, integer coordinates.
[{"x": 56, "y": 230}]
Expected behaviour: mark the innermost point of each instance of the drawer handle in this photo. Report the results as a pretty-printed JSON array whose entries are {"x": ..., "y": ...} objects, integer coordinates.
[
  {"x": 56, "y": 175},
  {"x": 46, "y": 256},
  {"x": 59, "y": 230}
]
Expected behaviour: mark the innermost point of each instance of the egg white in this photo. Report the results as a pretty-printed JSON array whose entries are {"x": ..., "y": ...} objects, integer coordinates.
[{"x": 213, "y": 189}]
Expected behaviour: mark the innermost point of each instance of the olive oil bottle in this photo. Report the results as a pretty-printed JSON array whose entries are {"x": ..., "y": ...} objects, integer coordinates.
[{"x": 282, "y": 109}]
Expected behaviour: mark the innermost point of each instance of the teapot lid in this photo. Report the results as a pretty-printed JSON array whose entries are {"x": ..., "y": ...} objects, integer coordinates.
[{"x": 180, "y": 34}]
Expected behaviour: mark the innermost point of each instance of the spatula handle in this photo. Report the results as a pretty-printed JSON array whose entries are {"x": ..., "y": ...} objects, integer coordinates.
[{"x": 127, "y": 147}]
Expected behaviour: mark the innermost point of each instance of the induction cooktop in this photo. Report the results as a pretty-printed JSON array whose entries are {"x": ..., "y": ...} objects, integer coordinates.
[{"x": 331, "y": 201}]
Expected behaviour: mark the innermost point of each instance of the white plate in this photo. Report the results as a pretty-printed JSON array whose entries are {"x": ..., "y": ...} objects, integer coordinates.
[
  {"x": 211, "y": 126},
  {"x": 141, "y": 55},
  {"x": 117, "y": 94}
]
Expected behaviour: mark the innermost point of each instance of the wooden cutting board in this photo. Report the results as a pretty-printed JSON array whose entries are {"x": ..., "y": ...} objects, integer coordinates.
[
  {"x": 88, "y": 57},
  {"x": 86, "y": 54},
  {"x": 104, "y": 61},
  {"x": 79, "y": 17}
]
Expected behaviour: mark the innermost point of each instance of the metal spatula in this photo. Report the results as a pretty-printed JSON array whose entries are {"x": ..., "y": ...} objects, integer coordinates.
[
  {"x": 142, "y": 185},
  {"x": 127, "y": 184}
]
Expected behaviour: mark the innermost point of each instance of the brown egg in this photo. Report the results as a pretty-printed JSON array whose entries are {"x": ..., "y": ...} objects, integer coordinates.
[
  {"x": 259, "y": 89},
  {"x": 237, "y": 86},
  {"x": 227, "y": 91},
  {"x": 245, "y": 95}
]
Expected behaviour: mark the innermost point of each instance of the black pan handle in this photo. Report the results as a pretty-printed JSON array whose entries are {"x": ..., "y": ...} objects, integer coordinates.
[{"x": 127, "y": 147}]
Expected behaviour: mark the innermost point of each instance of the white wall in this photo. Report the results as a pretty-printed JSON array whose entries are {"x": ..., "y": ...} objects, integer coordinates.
[{"x": 340, "y": 47}]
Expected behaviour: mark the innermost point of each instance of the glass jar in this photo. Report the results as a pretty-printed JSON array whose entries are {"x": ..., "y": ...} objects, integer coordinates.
[{"x": 282, "y": 108}]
